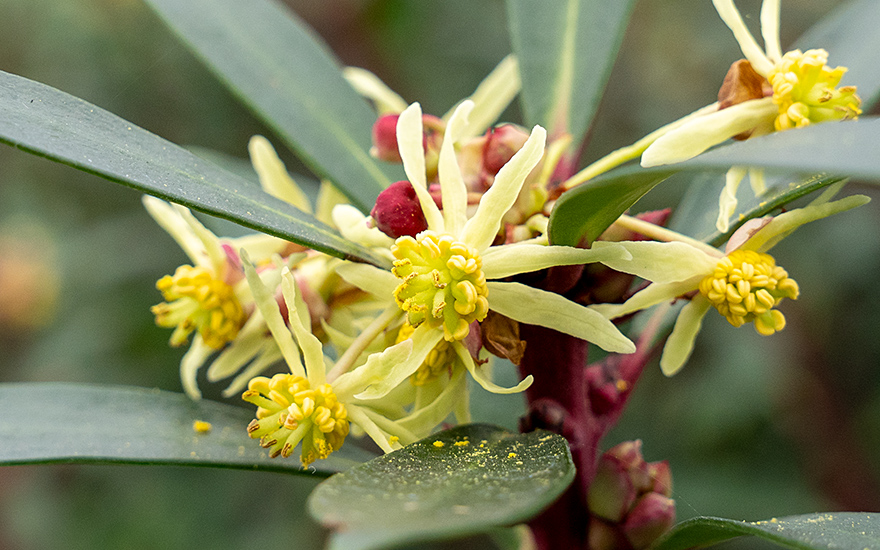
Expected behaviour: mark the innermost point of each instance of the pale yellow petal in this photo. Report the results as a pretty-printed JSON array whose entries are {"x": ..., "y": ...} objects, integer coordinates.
[
  {"x": 747, "y": 43},
  {"x": 537, "y": 307},
  {"x": 654, "y": 294},
  {"x": 681, "y": 342},
  {"x": 300, "y": 324},
  {"x": 425, "y": 418},
  {"x": 173, "y": 223},
  {"x": 770, "y": 29},
  {"x": 386, "y": 100},
  {"x": 412, "y": 151},
  {"x": 660, "y": 262},
  {"x": 727, "y": 201},
  {"x": 194, "y": 358},
  {"x": 452, "y": 187},
  {"x": 511, "y": 259},
  {"x": 479, "y": 377},
  {"x": 701, "y": 133},
  {"x": 480, "y": 230},
  {"x": 270, "y": 356},
  {"x": 268, "y": 306},
  {"x": 250, "y": 341},
  {"x": 273, "y": 175},
  {"x": 492, "y": 96},
  {"x": 328, "y": 197},
  {"x": 214, "y": 252},
  {"x": 378, "y": 282},
  {"x": 782, "y": 225},
  {"x": 352, "y": 224}
]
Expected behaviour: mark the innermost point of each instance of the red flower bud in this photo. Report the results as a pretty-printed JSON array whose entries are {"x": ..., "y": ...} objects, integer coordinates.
[
  {"x": 653, "y": 515},
  {"x": 385, "y": 139},
  {"x": 502, "y": 143},
  {"x": 398, "y": 212}
]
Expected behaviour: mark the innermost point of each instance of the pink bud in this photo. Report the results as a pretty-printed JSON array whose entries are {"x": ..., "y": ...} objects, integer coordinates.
[
  {"x": 629, "y": 455},
  {"x": 612, "y": 493},
  {"x": 503, "y": 142},
  {"x": 653, "y": 515},
  {"x": 661, "y": 474},
  {"x": 603, "y": 536},
  {"x": 385, "y": 139},
  {"x": 398, "y": 212}
]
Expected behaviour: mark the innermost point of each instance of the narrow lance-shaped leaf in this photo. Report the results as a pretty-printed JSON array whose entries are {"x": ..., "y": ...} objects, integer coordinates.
[
  {"x": 291, "y": 80},
  {"x": 456, "y": 483},
  {"x": 829, "y": 531},
  {"x": 79, "y": 423},
  {"x": 565, "y": 50},
  {"x": 47, "y": 122}
]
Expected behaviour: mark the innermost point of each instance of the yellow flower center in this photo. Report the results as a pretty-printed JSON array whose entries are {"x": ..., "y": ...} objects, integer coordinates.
[
  {"x": 746, "y": 286},
  {"x": 439, "y": 360},
  {"x": 442, "y": 283},
  {"x": 289, "y": 410},
  {"x": 805, "y": 90},
  {"x": 194, "y": 299}
]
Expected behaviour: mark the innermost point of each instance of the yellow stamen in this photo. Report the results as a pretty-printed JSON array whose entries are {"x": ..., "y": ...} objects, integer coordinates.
[
  {"x": 439, "y": 360},
  {"x": 442, "y": 283},
  {"x": 290, "y": 411},
  {"x": 746, "y": 286},
  {"x": 194, "y": 299},
  {"x": 805, "y": 90}
]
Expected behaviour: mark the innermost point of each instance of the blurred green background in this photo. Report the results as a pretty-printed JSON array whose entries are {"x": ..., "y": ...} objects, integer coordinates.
[{"x": 754, "y": 427}]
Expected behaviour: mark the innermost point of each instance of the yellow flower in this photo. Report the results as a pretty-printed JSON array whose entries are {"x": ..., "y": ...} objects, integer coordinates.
[
  {"x": 449, "y": 275},
  {"x": 745, "y": 284},
  {"x": 798, "y": 89}
]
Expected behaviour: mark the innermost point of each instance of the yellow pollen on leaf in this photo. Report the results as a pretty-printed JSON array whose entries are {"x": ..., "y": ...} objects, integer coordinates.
[
  {"x": 805, "y": 91},
  {"x": 195, "y": 300},
  {"x": 442, "y": 283},
  {"x": 289, "y": 410},
  {"x": 746, "y": 286}
]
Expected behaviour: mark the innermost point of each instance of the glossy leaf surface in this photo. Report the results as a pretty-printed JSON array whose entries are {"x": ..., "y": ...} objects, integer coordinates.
[
  {"x": 463, "y": 481},
  {"x": 78, "y": 423}
]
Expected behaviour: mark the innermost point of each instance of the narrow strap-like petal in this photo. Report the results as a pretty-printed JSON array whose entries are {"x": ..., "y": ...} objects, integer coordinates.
[
  {"x": 747, "y": 43},
  {"x": 492, "y": 96},
  {"x": 661, "y": 262},
  {"x": 507, "y": 260},
  {"x": 484, "y": 381},
  {"x": 538, "y": 307},
  {"x": 378, "y": 282},
  {"x": 273, "y": 175},
  {"x": 412, "y": 151},
  {"x": 654, "y": 294},
  {"x": 424, "y": 419},
  {"x": 727, "y": 201},
  {"x": 268, "y": 306},
  {"x": 452, "y": 187},
  {"x": 300, "y": 324},
  {"x": 770, "y": 29},
  {"x": 194, "y": 358},
  {"x": 691, "y": 139},
  {"x": 480, "y": 230},
  {"x": 681, "y": 342},
  {"x": 370, "y": 86}
]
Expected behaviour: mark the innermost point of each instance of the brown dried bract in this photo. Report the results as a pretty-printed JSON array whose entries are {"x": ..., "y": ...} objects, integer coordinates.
[
  {"x": 501, "y": 337},
  {"x": 741, "y": 84}
]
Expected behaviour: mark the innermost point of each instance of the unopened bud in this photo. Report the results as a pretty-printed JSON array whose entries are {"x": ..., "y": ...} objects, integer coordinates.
[
  {"x": 661, "y": 476},
  {"x": 653, "y": 515},
  {"x": 629, "y": 456},
  {"x": 612, "y": 493},
  {"x": 502, "y": 143},
  {"x": 398, "y": 212},
  {"x": 385, "y": 139},
  {"x": 603, "y": 536}
]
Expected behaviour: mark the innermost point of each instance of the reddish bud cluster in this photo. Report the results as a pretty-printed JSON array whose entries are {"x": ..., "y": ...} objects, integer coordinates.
[{"x": 629, "y": 500}]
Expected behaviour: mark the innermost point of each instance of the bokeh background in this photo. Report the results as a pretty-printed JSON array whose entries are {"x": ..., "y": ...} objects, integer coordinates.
[{"x": 754, "y": 427}]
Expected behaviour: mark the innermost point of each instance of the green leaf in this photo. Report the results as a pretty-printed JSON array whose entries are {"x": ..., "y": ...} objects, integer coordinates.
[
  {"x": 459, "y": 482},
  {"x": 850, "y": 148},
  {"x": 830, "y": 531},
  {"x": 566, "y": 51},
  {"x": 850, "y": 36},
  {"x": 274, "y": 63},
  {"x": 78, "y": 423},
  {"x": 47, "y": 122},
  {"x": 584, "y": 212}
]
